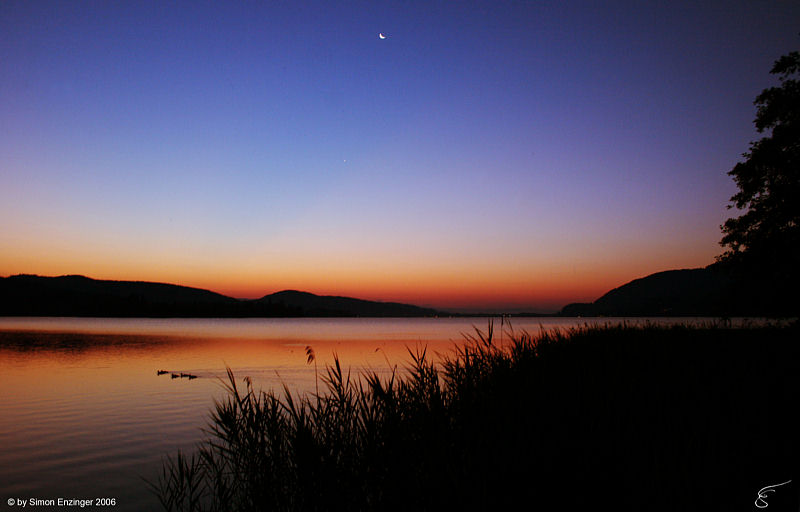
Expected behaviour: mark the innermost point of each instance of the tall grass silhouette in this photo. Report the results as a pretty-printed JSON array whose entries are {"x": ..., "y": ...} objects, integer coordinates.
[{"x": 635, "y": 418}]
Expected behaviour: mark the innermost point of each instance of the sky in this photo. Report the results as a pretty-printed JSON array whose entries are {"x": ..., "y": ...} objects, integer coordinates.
[{"x": 495, "y": 156}]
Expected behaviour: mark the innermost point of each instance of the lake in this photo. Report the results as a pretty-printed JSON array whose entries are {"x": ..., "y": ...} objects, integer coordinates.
[{"x": 85, "y": 415}]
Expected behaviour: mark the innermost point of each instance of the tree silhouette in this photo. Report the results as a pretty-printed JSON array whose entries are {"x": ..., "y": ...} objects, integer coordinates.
[{"x": 765, "y": 240}]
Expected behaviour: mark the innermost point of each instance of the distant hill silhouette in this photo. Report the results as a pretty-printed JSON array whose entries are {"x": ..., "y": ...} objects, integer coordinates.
[
  {"x": 716, "y": 290},
  {"x": 319, "y": 305},
  {"x": 696, "y": 291},
  {"x": 31, "y": 295}
]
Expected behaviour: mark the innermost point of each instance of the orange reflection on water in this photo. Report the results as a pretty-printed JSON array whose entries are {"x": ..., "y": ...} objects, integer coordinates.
[
  {"x": 52, "y": 357},
  {"x": 86, "y": 414}
]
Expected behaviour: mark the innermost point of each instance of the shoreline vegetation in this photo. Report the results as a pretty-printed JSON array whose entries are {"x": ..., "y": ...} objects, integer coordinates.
[{"x": 633, "y": 417}]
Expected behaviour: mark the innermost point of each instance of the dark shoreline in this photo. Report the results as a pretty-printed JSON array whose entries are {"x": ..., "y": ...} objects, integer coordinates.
[{"x": 713, "y": 291}]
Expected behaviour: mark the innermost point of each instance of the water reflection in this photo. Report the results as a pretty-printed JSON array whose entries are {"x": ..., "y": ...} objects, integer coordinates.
[
  {"x": 84, "y": 413},
  {"x": 73, "y": 343}
]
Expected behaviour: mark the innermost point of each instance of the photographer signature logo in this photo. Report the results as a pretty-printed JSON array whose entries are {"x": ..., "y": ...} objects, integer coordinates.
[{"x": 761, "y": 501}]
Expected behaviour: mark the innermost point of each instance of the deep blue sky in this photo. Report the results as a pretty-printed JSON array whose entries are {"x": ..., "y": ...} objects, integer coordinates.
[{"x": 485, "y": 154}]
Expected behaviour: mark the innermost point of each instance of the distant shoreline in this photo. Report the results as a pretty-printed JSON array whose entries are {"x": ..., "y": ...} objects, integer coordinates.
[{"x": 712, "y": 291}]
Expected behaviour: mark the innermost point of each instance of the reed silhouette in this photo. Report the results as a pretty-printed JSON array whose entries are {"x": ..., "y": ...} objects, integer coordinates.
[{"x": 635, "y": 418}]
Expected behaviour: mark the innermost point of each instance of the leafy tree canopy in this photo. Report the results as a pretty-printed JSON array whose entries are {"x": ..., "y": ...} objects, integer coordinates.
[{"x": 766, "y": 235}]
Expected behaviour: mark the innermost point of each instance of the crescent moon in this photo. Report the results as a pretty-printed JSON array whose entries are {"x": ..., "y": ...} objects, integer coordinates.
[{"x": 382, "y": 36}]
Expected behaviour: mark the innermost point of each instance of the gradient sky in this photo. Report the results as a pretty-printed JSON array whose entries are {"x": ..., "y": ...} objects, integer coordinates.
[{"x": 491, "y": 155}]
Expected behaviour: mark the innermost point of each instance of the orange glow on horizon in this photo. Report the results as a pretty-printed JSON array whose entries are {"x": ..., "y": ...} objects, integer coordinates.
[
  {"x": 541, "y": 293},
  {"x": 543, "y": 282}
]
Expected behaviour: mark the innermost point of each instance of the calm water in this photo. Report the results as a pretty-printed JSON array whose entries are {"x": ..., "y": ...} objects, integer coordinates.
[{"x": 84, "y": 415}]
